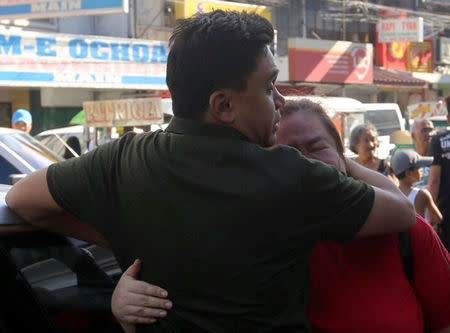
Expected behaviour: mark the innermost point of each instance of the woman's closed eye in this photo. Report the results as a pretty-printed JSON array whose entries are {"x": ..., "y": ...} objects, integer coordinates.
[{"x": 318, "y": 147}]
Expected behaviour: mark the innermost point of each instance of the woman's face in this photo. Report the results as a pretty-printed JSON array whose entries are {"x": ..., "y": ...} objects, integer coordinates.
[
  {"x": 367, "y": 144},
  {"x": 306, "y": 132}
]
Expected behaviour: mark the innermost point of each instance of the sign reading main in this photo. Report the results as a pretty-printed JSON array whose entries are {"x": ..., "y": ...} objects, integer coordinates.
[
  {"x": 400, "y": 30},
  {"x": 24, "y": 9},
  {"x": 31, "y": 59}
]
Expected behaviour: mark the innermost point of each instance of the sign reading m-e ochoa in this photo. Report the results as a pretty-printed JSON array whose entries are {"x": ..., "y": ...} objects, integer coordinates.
[
  {"x": 124, "y": 112},
  {"x": 30, "y": 59}
]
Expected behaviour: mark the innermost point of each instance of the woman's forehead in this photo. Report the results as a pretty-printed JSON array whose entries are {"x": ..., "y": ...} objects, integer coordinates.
[{"x": 304, "y": 126}]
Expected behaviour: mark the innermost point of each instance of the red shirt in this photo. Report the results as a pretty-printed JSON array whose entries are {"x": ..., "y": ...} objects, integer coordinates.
[{"x": 360, "y": 286}]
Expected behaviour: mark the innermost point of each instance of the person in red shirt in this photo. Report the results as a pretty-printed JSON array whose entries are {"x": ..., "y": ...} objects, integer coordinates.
[{"x": 360, "y": 286}]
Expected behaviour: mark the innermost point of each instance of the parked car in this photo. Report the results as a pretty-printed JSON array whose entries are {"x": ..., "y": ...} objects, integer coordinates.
[
  {"x": 51, "y": 283},
  {"x": 21, "y": 154},
  {"x": 56, "y": 139}
]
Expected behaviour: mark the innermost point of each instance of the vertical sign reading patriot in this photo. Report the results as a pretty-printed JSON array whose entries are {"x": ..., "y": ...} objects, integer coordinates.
[
  {"x": 30, "y": 59},
  {"x": 11, "y": 9}
]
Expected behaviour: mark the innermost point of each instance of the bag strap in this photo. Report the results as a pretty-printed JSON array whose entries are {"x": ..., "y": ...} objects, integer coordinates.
[{"x": 404, "y": 242}]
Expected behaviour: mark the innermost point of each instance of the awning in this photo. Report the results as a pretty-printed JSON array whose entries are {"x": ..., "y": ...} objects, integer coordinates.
[
  {"x": 433, "y": 77},
  {"x": 392, "y": 78}
]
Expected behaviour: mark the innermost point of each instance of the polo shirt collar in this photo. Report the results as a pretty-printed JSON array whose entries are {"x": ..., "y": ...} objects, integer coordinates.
[{"x": 196, "y": 127}]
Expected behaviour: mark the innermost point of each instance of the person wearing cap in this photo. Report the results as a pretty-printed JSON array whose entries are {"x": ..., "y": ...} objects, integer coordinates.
[
  {"x": 407, "y": 166},
  {"x": 439, "y": 180},
  {"x": 22, "y": 120}
]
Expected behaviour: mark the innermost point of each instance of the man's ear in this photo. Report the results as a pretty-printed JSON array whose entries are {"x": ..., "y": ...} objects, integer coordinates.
[{"x": 221, "y": 107}]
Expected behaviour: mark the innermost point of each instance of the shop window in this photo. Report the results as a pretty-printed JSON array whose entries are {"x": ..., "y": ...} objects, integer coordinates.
[
  {"x": 169, "y": 14},
  {"x": 38, "y": 24},
  {"x": 5, "y": 114}
]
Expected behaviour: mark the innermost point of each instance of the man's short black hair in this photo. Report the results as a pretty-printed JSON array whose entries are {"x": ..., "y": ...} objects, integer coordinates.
[{"x": 211, "y": 51}]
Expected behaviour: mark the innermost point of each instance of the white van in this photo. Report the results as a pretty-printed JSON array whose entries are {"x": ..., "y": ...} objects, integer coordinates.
[{"x": 387, "y": 118}]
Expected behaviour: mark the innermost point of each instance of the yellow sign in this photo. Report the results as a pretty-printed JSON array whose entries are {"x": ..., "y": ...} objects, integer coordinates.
[
  {"x": 421, "y": 111},
  {"x": 124, "y": 112},
  {"x": 420, "y": 57},
  {"x": 187, "y": 8}
]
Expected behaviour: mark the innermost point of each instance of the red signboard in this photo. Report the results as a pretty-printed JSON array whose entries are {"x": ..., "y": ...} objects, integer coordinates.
[
  {"x": 330, "y": 61},
  {"x": 403, "y": 55}
]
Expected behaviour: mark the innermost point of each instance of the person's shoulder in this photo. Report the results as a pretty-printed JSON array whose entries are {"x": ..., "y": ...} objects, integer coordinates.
[
  {"x": 132, "y": 138},
  {"x": 287, "y": 156},
  {"x": 438, "y": 136},
  {"x": 423, "y": 192},
  {"x": 421, "y": 231}
]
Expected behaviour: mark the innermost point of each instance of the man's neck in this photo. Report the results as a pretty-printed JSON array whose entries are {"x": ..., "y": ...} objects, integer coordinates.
[
  {"x": 421, "y": 150},
  {"x": 405, "y": 186}
]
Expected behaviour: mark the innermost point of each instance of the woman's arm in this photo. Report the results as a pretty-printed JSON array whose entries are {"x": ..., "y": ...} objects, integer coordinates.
[
  {"x": 138, "y": 302},
  {"x": 433, "y": 213},
  {"x": 391, "y": 210}
]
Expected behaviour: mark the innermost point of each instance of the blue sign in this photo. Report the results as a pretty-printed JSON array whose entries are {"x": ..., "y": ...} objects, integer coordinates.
[
  {"x": 60, "y": 60},
  {"x": 24, "y": 9}
]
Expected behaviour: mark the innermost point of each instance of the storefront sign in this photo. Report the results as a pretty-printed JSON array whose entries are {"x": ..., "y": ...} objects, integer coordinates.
[
  {"x": 20, "y": 9},
  {"x": 426, "y": 110},
  {"x": 400, "y": 30},
  {"x": 56, "y": 60},
  {"x": 124, "y": 112},
  {"x": 420, "y": 57},
  {"x": 187, "y": 8},
  {"x": 406, "y": 56},
  {"x": 330, "y": 61}
]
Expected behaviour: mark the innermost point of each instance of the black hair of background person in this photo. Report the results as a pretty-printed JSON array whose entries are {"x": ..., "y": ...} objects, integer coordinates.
[
  {"x": 73, "y": 143},
  {"x": 190, "y": 56}
]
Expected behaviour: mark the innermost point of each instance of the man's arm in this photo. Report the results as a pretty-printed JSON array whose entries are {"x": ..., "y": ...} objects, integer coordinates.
[
  {"x": 434, "y": 181},
  {"x": 391, "y": 210},
  {"x": 30, "y": 198}
]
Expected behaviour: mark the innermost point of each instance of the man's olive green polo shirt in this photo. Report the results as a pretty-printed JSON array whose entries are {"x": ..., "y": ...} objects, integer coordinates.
[{"x": 225, "y": 225}]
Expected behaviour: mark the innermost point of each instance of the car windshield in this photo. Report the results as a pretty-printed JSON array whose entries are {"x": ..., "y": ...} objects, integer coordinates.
[
  {"x": 385, "y": 121},
  {"x": 29, "y": 149}
]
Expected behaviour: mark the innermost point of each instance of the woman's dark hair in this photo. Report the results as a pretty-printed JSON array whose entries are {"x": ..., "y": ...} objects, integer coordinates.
[
  {"x": 211, "y": 51},
  {"x": 355, "y": 135},
  {"x": 74, "y": 143},
  {"x": 305, "y": 105}
]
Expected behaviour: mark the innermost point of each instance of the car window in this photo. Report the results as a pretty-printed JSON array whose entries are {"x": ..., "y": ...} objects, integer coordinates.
[
  {"x": 72, "y": 282},
  {"x": 6, "y": 169},
  {"x": 385, "y": 121},
  {"x": 29, "y": 149},
  {"x": 53, "y": 142}
]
